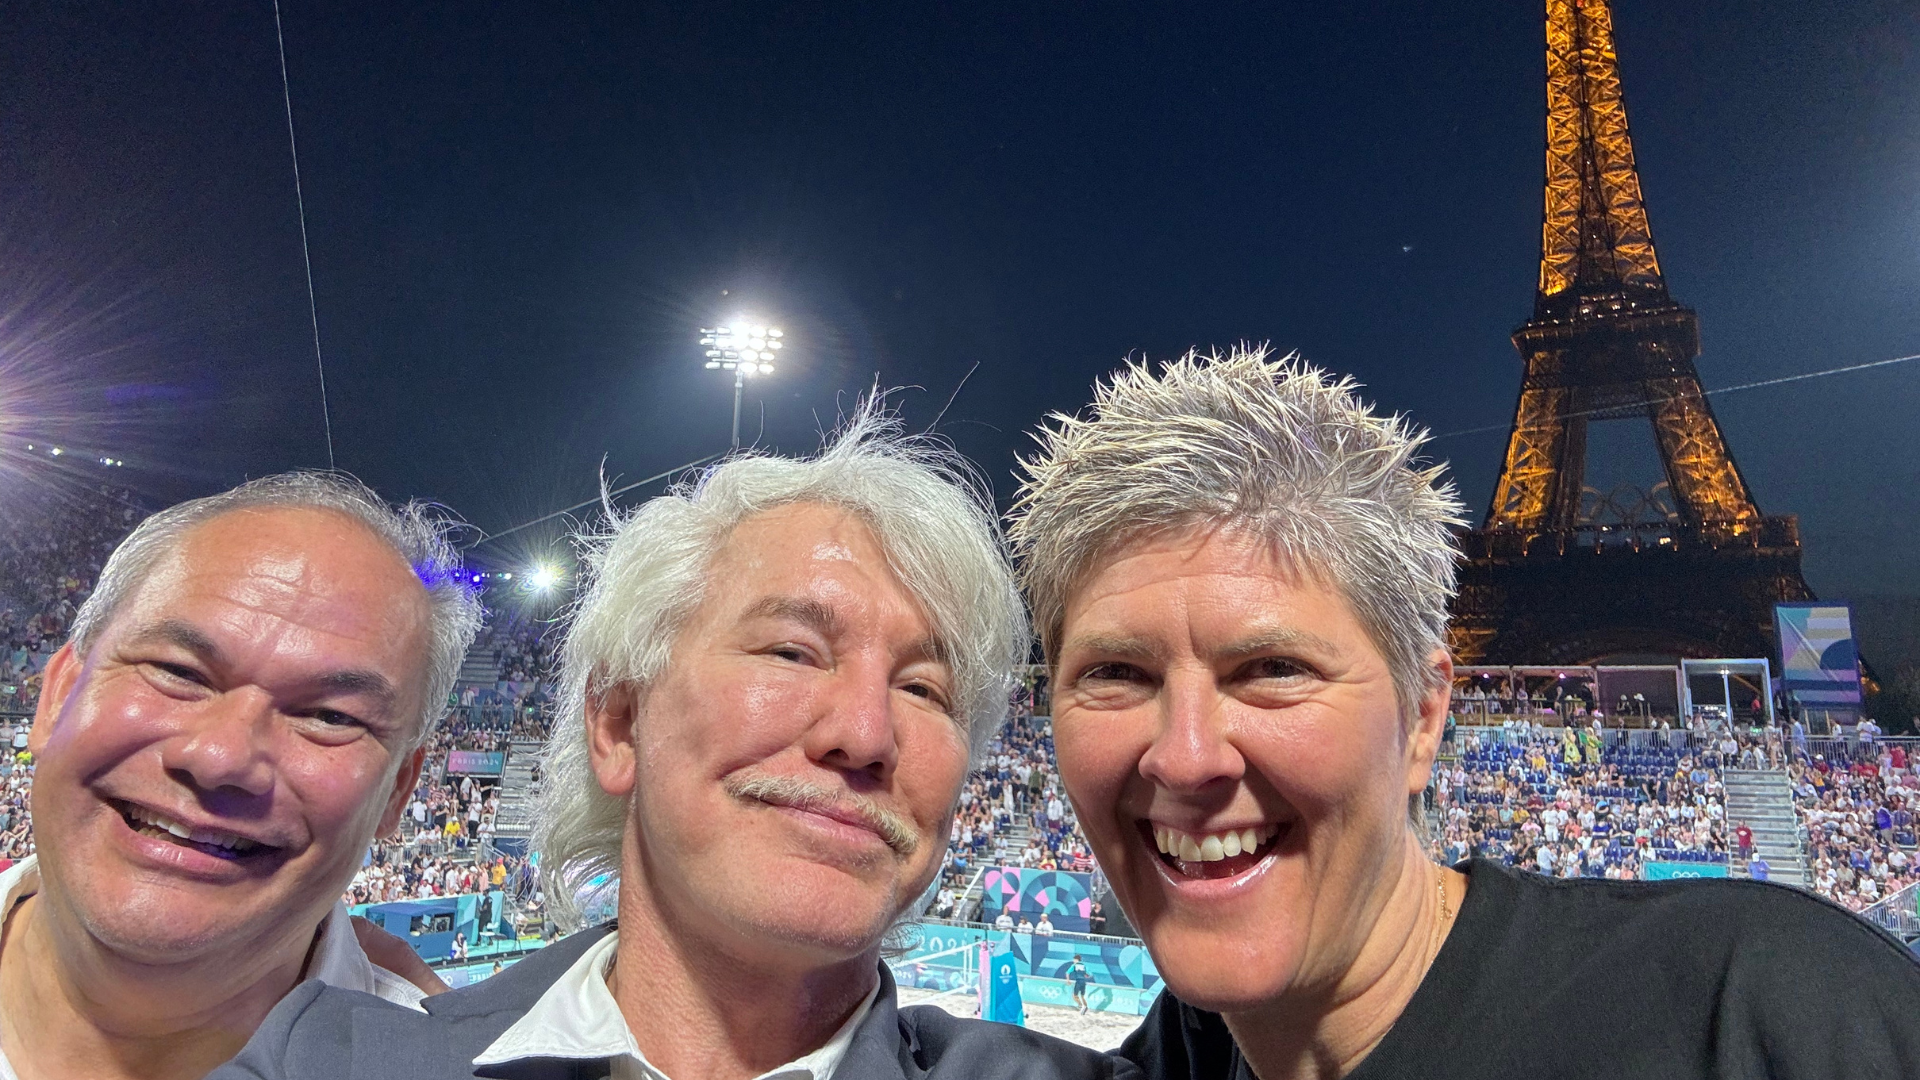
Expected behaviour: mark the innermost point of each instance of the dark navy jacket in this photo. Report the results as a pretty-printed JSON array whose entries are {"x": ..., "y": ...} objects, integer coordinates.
[{"x": 321, "y": 1032}]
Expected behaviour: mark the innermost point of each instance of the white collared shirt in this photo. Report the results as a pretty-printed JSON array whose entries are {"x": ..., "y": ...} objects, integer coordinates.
[
  {"x": 338, "y": 959},
  {"x": 578, "y": 1019}
]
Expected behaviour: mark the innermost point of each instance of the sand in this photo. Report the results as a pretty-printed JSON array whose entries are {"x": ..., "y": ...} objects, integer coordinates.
[{"x": 1099, "y": 1031}]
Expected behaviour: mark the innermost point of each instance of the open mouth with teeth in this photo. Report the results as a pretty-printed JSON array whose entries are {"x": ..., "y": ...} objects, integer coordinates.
[
  {"x": 1215, "y": 854},
  {"x": 220, "y": 845}
]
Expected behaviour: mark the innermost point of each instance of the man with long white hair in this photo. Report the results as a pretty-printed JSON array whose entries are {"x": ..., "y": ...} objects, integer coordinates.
[{"x": 772, "y": 688}]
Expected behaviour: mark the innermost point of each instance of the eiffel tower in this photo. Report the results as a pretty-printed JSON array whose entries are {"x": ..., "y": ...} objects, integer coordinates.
[{"x": 1561, "y": 573}]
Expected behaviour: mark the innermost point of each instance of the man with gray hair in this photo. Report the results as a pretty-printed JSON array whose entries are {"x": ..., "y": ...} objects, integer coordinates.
[
  {"x": 771, "y": 692},
  {"x": 239, "y": 712}
]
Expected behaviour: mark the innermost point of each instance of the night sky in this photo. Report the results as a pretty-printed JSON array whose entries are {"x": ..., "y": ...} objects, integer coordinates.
[{"x": 520, "y": 215}]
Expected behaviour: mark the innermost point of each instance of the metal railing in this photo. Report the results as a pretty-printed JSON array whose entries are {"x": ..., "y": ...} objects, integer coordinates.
[
  {"x": 990, "y": 929},
  {"x": 1500, "y": 733},
  {"x": 1852, "y": 748},
  {"x": 1898, "y": 914},
  {"x": 969, "y": 905}
]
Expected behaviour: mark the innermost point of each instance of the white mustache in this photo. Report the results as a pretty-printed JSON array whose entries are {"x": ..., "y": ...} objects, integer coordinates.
[{"x": 804, "y": 795}]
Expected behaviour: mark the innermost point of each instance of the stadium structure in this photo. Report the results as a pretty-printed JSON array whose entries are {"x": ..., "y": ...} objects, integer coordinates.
[
  {"x": 1561, "y": 572},
  {"x": 1552, "y": 718}
]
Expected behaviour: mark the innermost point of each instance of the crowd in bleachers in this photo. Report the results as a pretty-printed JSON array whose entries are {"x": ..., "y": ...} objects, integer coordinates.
[
  {"x": 453, "y": 816},
  {"x": 452, "y": 813},
  {"x": 53, "y": 542},
  {"x": 1558, "y": 800},
  {"x": 398, "y": 873},
  {"x": 484, "y": 730},
  {"x": 1487, "y": 696},
  {"x": 1566, "y": 801},
  {"x": 521, "y": 652},
  {"x": 1015, "y": 793},
  {"x": 394, "y": 875},
  {"x": 16, "y": 797},
  {"x": 1562, "y": 802},
  {"x": 27, "y": 642},
  {"x": 1857, "y": 803}
]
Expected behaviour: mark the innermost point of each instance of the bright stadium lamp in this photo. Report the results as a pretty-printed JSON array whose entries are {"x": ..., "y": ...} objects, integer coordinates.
[
  {"x": 542, "y": 578},
  {"x": 745, "y": 348}
]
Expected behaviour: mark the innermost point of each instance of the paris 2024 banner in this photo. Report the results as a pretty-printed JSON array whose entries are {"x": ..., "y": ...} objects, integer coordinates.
[{"x": 1121, "y": 974}]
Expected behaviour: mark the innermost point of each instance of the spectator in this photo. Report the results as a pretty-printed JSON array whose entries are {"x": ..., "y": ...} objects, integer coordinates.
[
  {"x": 1859, "y": 822},
  {"x": 1532, "y": 797}
]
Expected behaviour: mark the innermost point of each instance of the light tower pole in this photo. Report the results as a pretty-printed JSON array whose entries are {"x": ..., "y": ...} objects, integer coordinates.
[{"x": 744, "y": 348}]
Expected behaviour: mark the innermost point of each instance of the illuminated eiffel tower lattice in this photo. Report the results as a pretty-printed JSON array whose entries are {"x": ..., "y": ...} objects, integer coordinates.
[{"x": 1560, "y": 572}]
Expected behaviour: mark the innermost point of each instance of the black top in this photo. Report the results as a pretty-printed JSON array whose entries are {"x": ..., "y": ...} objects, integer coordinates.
[{"x": 1545, "y": 977}]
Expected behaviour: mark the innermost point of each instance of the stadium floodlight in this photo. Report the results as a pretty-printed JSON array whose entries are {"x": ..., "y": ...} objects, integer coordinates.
[
  {"x": 542, "y": 578},
  {"x": 745, "y": 348}
]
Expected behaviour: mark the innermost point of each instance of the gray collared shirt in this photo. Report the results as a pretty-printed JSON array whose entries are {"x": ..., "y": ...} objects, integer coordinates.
[{"x": 338, "y": 959}]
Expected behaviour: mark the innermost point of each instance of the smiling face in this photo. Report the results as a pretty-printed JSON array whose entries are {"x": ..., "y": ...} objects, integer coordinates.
[
  {"x": 791, "y": 776},
  {"x": 1230, "y": 736},
  {"x": 258, "y": 692}
]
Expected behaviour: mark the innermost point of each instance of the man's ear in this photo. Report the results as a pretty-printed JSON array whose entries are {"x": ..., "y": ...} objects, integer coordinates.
[
  {"x": 610, "y": 716},
  {"x": 1430, "y": 721},
  {"x": 405, "y": 779},
  {"x": 56, "y": 685}
]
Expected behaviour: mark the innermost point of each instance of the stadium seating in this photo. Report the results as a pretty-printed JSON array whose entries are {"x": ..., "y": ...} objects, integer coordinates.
[
  {"x": 1561, "y": 801},
  {"x": 1856, "y": 802},
  {"x": 1607, "y": 809}
]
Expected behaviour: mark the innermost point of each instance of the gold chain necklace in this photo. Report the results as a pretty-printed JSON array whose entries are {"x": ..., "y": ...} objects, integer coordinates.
[{"x": 1441, "y": 917}]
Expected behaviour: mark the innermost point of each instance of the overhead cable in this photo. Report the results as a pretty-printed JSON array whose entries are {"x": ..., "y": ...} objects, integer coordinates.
[
  {"x": 1707, "y": 393},
  {"x": 605, "y": 496}
]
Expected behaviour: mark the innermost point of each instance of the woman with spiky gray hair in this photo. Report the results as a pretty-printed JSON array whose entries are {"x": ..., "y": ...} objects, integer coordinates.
[{"x": 1240, "y": 576}]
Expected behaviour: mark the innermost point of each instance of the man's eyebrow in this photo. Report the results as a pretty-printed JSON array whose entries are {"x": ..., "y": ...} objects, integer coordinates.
[
  {"x": 931, "y": 647},
  {"x": 194, "y": 640},
  {"x": 358, "y": 681},
  {"x": 804, "y": 610},
  {"x": 181, "y": 633}
]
